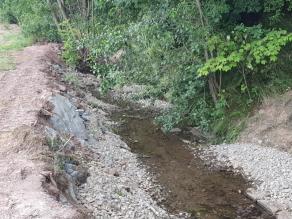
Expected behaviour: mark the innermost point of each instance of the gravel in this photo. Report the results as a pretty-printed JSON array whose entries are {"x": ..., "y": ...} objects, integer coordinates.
[
  {"x": 134, "y": 94},
  {"x": 268, "y": 169},
  {"x": 118, "y": 185}
]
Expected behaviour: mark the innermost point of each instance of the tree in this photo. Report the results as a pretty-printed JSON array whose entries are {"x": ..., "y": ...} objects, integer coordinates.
[{"x": 213, "y": 85}]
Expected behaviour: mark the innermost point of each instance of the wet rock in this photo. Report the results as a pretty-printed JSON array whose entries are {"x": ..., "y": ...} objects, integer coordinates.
[
  {"x": 85, "y": 116},
  {"x": 79, "y": 174},
  {"x": 70, "y": 168}
]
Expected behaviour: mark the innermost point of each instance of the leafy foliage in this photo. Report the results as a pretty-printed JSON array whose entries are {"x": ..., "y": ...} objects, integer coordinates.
[
  {"x": 11, "y": 41},
  {"x": 247, "y": 53},
  {"x": 186, "y": 52},
  {"x": 33, "y": 16}
]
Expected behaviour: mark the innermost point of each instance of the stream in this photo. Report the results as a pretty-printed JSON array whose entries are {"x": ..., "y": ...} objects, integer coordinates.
[{"x": 189, "y": 184}]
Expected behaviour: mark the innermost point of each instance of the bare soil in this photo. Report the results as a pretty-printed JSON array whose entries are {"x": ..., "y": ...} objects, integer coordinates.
[
  {"x": 23, "y": 92},
  {"x": 272, "y": 124}
]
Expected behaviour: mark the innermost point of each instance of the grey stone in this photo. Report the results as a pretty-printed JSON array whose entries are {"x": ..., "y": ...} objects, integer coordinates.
[
  {"x": 254, "y": 194},
  {"x": 175, "y": 130},
  {"x": 70, "y": 168},
  {"x": 284, "y": 215},
  {"x": 51, "y": 133},
  {"x": 269, "y": 206},
  {"x": 66, "y": 119},
  {"x": 85, "y": 117}
]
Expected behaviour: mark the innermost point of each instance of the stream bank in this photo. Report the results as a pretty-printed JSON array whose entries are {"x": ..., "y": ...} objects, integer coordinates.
[
  {"x": 117, "y": 187},
  {"x": 188, "y": 183},
  {"x": 62, "y": 159},
  {"x": 142, "y": 172}
]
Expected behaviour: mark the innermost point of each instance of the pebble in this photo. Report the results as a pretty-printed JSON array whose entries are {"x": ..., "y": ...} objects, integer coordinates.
[
  {"x": 118, "y": 186},
  {"x": 269, "y": 169}
]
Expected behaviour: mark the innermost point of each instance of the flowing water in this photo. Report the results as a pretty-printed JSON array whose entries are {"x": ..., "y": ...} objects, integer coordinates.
[{"x": 189, "y": 184}]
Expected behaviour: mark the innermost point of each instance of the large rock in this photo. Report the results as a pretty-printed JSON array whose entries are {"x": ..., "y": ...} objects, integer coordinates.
[{"x": 66, "y": 118}]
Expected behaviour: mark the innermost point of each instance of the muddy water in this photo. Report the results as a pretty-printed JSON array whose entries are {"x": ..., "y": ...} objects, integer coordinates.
[{"x": 190, "y": 186}]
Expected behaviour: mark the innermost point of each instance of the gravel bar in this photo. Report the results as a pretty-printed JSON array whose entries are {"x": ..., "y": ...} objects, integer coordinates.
[{"x": 268, "y": 169}]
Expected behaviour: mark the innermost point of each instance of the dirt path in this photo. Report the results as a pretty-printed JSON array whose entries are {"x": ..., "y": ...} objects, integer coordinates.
[{"x": 23, "y": 92}]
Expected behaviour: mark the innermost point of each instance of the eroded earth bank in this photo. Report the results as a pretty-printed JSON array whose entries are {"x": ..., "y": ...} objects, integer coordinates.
[{"x": 66, "y": 153}]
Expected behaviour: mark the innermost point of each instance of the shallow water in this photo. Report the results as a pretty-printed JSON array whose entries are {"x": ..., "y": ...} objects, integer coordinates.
[{"x": 190, "y": 186}]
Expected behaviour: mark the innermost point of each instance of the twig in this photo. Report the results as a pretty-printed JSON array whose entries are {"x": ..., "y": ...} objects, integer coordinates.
[{"x": 64, "y": 145}]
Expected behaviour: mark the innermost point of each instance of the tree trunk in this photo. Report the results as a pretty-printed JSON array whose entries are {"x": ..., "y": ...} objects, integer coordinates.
[
  {"x": 84, "y": 6},
  {"x": 213, "y": 85},
  {"x": 53, "y": 12},
  {"x": 62, "y": 9}
]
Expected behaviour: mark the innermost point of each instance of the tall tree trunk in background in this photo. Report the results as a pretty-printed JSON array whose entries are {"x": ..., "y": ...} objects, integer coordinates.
[
  {"x": 54, "y": 15},
  {"x": 84, "y": 6},
  {"x": 213, "y": 85},
  {"x": 62, "y": 9},
  {"x": 88, "y": 7}
]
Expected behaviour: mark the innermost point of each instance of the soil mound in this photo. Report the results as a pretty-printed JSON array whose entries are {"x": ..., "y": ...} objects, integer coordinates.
[{"x": 272, "y": 124}]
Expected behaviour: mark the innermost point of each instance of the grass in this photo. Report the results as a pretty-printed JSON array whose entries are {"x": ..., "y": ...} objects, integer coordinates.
[
  {"x": 14, "y": 42},
  {"x": 72, "y": 79},
  {"x": 6, "y": 63},
  {"x": 11, "y": 41}
]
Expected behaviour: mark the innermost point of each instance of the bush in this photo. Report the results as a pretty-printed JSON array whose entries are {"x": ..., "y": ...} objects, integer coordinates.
[
  {"x": 33, "y": 16},
  {"x": 214, "y": 60}
]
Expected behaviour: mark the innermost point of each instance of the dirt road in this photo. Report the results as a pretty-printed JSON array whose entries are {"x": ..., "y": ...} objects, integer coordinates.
[{"x": 23, "y": 92}]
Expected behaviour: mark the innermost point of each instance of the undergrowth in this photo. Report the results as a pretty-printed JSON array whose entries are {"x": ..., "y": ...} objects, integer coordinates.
[
  {"x": 11, "y": 41},
  {"x": 214, "y": 61}
]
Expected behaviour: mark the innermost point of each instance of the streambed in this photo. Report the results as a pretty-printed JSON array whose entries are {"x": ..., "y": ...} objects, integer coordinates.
[{"x": 189, "y": 185}]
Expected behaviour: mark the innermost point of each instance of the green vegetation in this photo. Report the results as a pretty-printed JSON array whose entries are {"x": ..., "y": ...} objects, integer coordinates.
[
  {"x": 6, "y": 63},
  {"x": 214, "y": 60},
  {"x": 11, "y": 41},
  {"x": 72, "y": 79}
]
